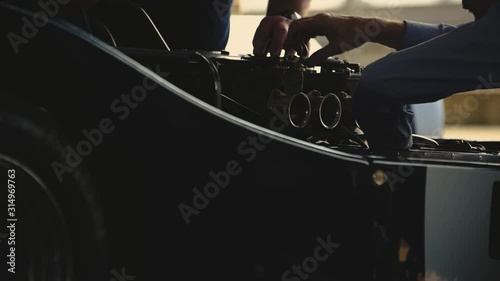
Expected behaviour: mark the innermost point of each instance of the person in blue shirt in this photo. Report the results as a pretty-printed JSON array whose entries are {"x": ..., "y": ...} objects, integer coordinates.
[
  {"x": 184, "y": 25},
  {"x": 205, "y": 25},
  {"x": 430, "y": 62}
]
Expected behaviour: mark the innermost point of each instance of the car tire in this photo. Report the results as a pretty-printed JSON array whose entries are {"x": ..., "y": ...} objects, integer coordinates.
[{"x": 58, "y": 227}]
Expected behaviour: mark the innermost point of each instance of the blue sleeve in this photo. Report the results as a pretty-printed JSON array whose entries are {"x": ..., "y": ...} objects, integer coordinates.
[{"x": 417, "y": 32}]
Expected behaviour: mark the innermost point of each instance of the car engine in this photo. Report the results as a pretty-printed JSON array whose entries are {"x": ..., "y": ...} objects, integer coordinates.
[{"x": 282, "y": 93}]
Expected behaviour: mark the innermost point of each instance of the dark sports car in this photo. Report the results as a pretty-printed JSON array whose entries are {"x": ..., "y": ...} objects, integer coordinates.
[{"x": 125, "y": 160}]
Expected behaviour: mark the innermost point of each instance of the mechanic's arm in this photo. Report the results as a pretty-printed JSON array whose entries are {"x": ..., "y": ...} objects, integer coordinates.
[
  {"x": 417, "y": 32},
  {"x": 345, "y": 33},
  {"x": 271, "y": 33}
]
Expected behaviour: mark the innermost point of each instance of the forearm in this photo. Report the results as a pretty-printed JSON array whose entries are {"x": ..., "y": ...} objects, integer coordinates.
[
  {"x": 417, "y": 32},
  {"x": 389, "y": 33},
  {"x": 276, "y": 7},
  {"x": 402, "y": 34}
]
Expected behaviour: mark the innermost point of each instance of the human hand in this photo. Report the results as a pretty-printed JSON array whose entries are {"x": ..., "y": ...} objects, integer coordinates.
[
  {"x": 270, "y": 36},
  {"x": 342, "y": 33}
]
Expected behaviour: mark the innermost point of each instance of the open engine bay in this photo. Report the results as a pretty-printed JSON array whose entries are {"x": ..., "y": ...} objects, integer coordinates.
[{"x": 308, "y": 103}]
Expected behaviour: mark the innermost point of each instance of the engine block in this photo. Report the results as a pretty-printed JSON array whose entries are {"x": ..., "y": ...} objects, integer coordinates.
[{"x": 312, "y": 103}]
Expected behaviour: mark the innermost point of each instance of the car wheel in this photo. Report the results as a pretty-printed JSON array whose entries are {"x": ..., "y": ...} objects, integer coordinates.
[{"x": 55, "y": 229}]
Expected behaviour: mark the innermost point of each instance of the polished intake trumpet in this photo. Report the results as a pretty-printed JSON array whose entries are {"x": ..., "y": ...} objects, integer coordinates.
[
  {"x": 329, "y": 110},
  {"x": 313, "y": 110}
]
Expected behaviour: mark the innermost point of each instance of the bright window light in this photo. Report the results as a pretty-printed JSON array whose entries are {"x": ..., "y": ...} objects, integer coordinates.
[
  {"x": 260, "y": 6},
  {"x": 406, "y": 3}
]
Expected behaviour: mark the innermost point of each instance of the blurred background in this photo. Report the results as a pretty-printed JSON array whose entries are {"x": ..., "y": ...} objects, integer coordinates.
[{"x": 471, "y": 115}]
